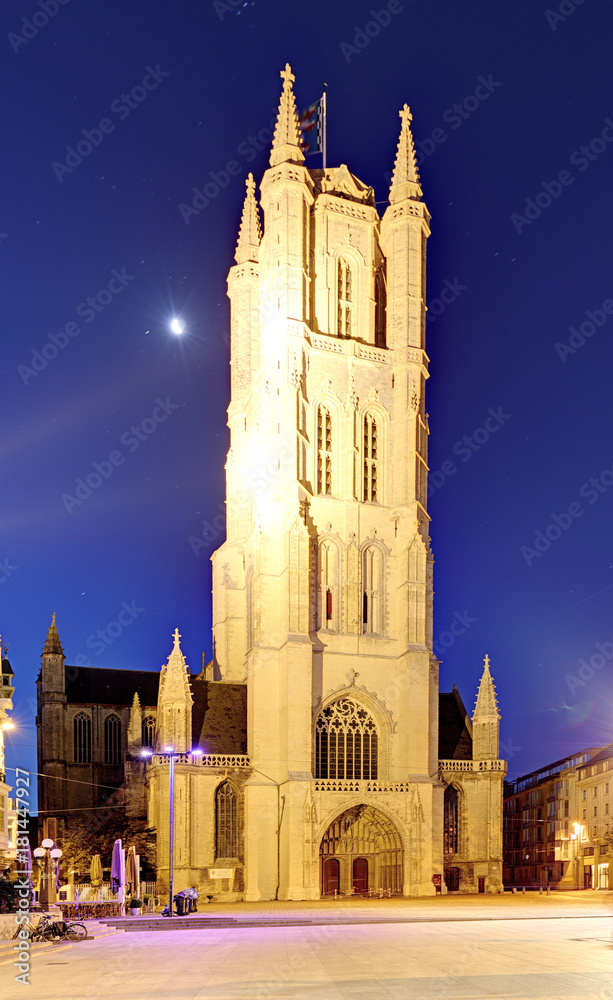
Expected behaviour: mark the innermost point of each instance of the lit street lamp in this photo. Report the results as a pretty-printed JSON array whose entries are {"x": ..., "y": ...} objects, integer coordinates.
[{"x": 48, "y": 858}]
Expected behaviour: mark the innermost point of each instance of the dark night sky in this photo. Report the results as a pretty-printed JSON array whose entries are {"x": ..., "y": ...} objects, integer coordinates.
[{"x": 519, "y": 285}]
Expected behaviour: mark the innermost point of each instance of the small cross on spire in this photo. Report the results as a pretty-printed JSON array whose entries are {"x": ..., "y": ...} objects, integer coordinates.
[
  {"x": 287, "y": 76},
  {"x": 405, "y": 115}
]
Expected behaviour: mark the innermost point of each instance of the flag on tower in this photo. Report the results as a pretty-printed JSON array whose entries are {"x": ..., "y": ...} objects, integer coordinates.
[{"x": 311, "y": 125}]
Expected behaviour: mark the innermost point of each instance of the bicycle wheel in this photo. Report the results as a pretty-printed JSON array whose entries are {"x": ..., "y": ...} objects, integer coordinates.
[
  {"x": 47, "y": 933},
  {"x": 76, "y": 932}
]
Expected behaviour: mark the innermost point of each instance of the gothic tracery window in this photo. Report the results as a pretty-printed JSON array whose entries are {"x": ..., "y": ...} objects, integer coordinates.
[
  {"x": 82, "y": 736},
  {"x": 450, "y": 820},
  {"x": 324, "y": 451},
  {"x": 112, "y": 740},
  {"x": 148, "y": 732},
  {"x": 346, "y": 742},
  {"x": 226, "y": 821},
  {"x": 370, "y": 458},
  {"x": 344, "y": 299}
]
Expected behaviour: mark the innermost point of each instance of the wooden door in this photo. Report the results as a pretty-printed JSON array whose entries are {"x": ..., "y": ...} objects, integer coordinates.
[
  {"x": 330, "y": 876},
  {"x": 360, "y": 875}
]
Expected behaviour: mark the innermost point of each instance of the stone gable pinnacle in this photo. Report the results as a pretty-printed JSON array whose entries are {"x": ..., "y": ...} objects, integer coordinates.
[
  {"x": 250, "y": 232},
  {"x": 486, "y": 706},
  {"x": 286, "y": 141},
  {"x": 52, "y": 642},
  {"x": 405, "y": 178}
]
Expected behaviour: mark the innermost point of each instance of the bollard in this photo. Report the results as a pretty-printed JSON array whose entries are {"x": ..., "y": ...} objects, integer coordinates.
[
  {"x": 540, "y": 890},
  {"x": 514, "y": 891},
  {"x": 523, "y": 890},
  {"x": 548, "y": 890}
]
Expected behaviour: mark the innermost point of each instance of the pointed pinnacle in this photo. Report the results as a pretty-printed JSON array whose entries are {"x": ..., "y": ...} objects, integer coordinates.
[
  {"x": 52, "y": 642},
  {"x": 405, "y": 179},
  {"x": 250, "y": 232},
  {"x": 487, "y": 702},
  {"x": 286, "y": 141}
]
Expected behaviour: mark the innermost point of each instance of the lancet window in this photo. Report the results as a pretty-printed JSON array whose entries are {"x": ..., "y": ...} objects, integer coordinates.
[
  {"x": 148, "y": 732},
  {"x": 450, "y": 820},
  {"x": 380, "y": 310},
  {"x": 82, "y": 736},
  {"x": 329, "y": 589},
  {"x": 346, "y": 742},
  {"x": 324, "y": 451},
  {"x": 112, "y": 740},
  {"x": 370, "y": 461},
  {"x": 226, "y": 821},
  {"x": 372, "y": 590},
  {"x": 344, "y": 299}
]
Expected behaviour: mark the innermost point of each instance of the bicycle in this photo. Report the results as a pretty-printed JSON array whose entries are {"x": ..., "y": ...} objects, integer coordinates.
[{"x": 49, "y": 929}]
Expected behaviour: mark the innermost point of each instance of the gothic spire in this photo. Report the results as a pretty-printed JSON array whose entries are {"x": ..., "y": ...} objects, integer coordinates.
[
  {"x": 52, "y": 642},
  {"x": 286, "y": 142},
  {"x": 174, "y": 714},
  {"x": 487, "y": 703},
  {"x": 250, "y": 232},
  {"x": 405, "y": 179}
]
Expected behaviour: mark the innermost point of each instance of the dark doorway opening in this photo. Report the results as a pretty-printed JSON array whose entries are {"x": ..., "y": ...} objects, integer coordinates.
[
  {"x": 330, "y": 876},
  {"x": 360, "y": 875},
  {"x": 452, "y": 879},
  {"x": 481, "y": 885}
]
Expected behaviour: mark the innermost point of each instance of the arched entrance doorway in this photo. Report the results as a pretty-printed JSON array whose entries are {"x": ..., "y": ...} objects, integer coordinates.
[{"x": 368, "y": 851}]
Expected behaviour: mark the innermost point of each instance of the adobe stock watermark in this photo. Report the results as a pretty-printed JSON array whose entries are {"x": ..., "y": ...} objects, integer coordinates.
[
  {"x": 565, "y": 10},
  {"x": 362, "y": 37},
  {"x": 580, "y": 158},
  {"x": 219, "y": 180},
  {"x": 122, "y": 107},
  {"x": 596, "y": 318},
  {"x": 587, "y": 668},
  {"x": 99, "y": 640},
  {"x": 465, "y": 447},
  {"x": 591, "y": 490},
  {"x": 131, "y": 439},
  {"x": 6, "y": 570},
  {"x": 450, "y": 291},
  {"x": 87, "y": 311},
  {"x": 30, "y": 26},
  {"x": 458, "y": 626}
]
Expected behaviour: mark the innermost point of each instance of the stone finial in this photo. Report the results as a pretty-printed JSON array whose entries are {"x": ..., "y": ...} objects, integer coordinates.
[
  {"x": 286, "y": 140},
  {"x": 52, "y": 642},
  {"x": 250, "y": 232},
  {"x": 135, "y": 723},
  {"x": 487, "y": 704},
  {"x": 405, "y": 178}
]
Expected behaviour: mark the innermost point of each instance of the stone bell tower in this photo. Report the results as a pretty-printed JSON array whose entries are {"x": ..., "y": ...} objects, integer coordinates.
[{"x": 322, "y": 592}]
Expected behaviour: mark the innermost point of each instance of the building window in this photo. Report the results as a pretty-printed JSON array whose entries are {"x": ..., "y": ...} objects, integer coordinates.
[
  {"x": 450, "y": 828},
  {"x": 112, "y": 740},
  {"x": 584, "y": 813},
  {"x": 329, "y": 589},
  {"x": 324, "y": 451},
  {"x": 606, "y": 808},
  {"x": 595, "y": 810},
  {"x": 372, "y": 577},
  {"x": 370, "y": 460},
  {"x": 148, "y": 732},
  {"x": 344, "y": 299},
  {"x": 380, "y": 303},
  {"x": 346, "y": 742},
  {"x": 82, "y": 739},
  {"x": 585, "y": 793},
  {"x": 226, "y": 821}
]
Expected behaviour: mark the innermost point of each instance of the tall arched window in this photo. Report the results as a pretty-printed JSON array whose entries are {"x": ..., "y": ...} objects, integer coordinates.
[
  {"x": 329, "y": 589},
  {"x": 450, "y": 820},
  {"x": 226, "y": 821},
  {"x": 346, "y": 742},
  {"x": 370, "y": 461},
  {"x": 324, "y": 451},
  {"x": 372, "y": 590},
  {"x": 380, "y": 304},
  {"x": 112, "y": 740},
  {"x": 82, "y": 736},
  {"x": 148, "y": 732},
  {"x": 344, "y": 325}
]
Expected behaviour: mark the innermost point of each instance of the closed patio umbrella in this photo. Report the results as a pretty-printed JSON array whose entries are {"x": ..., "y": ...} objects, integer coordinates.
[
  {"x": 95, "y": 873},
  {"x": 118, "y": 874},
  {"x": 132, "y": 871}
]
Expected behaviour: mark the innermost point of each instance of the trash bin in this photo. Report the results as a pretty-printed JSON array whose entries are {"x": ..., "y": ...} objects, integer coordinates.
[{"x": 180, "y": 902}]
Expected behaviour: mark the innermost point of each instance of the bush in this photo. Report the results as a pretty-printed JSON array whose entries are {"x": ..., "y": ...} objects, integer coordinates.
[{"x": 135, "y": 904}]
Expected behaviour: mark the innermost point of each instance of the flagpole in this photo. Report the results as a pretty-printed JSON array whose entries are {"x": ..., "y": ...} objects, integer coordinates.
[{"x": 323, "y": 144}]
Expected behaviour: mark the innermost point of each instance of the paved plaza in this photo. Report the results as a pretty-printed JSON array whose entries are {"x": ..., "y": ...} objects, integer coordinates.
[{"x": 466, "y": 948}]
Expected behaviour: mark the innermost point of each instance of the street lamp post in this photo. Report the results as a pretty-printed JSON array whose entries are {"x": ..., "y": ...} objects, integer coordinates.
[
  {"x": 171, "y": 814},
  {"x": 48, "y": 857}
]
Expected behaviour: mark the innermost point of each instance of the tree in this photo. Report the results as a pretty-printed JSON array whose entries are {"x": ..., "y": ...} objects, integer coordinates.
[{"x": 95, "y": 832}]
